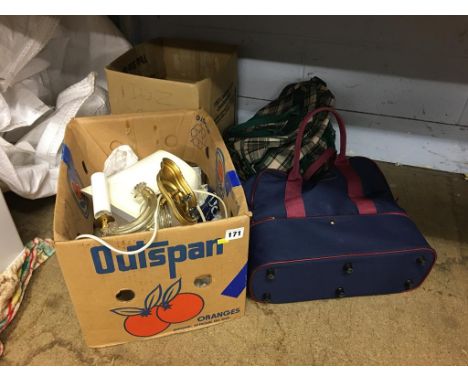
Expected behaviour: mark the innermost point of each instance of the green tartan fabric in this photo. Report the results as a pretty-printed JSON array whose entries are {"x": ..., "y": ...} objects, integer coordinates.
[{"x": 267, "y": 139}]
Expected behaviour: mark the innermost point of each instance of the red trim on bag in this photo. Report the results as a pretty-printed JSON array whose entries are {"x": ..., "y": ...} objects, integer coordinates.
[
  {"x": 271, "y": 218},
  {"x": 364, "y": 205},
  {"x": 322, "y": 159},
  {"x": 293, "y": 201},
  {"x": 402, "y": 213},
  {"x": 253, "y": 223},
  {"x": 268, "y": 265}
]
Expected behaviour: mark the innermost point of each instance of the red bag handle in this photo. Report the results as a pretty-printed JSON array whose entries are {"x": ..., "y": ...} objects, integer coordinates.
[{"x": 293, "y": 194}]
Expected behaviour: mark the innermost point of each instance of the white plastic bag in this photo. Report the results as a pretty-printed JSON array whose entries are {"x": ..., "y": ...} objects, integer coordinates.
[
  {"x": 53, "y": 128},
  {"x": 93, "y": 43},
  {"x": 21, "y": 38},
  {"x": 51, "y": 69},
  {"x": 5, "y": 116},
  {"x": 25, "y": 107},
  {"x": 119, "y": 159},
  {"x": 30, "y": 167}
]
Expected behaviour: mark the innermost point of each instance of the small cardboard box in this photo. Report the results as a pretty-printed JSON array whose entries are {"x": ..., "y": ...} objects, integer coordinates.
[
  {"x": 117, "y": 297},
  {"x": 168, "y": 74}
]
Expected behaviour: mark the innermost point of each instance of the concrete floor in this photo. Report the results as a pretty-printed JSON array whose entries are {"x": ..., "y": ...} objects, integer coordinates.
[{"x": 424, "y": 327}]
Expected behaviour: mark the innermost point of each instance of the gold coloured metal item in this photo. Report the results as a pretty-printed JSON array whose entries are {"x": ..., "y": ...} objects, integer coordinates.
[
  {"x": 177, "y": 192},
  {"x": 103, "y": 221},
  {"x": 177, "y": 198},
  {"x": 144, "y": 221}
]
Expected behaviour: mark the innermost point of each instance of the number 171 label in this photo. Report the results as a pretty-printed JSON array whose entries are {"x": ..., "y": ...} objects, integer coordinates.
[{"x": 233, "y": 234}]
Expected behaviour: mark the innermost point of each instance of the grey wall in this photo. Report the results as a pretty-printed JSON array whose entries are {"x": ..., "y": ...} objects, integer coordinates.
[{"x": 400, "y": 82}]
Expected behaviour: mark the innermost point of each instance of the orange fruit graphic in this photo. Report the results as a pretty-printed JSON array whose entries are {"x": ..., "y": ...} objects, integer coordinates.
[
  {"x": 142, "y": 325},
  {"x": 182, "y": 307}
]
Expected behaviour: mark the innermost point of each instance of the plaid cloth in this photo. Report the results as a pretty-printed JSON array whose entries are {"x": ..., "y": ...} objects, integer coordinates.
[
  {"x": 15, "y": 279},
  {"x": 267, "y": 139}
]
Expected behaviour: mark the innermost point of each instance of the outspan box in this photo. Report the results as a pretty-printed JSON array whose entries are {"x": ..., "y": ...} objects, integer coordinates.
[
  {"x": 200, "y": 268},
  {"x": 169, "y": 74}
]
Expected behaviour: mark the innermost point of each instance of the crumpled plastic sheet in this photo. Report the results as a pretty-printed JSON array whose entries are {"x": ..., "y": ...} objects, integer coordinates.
[
  {"x": 30, "y": 166},
  {"x": 119, "y": 159},
  {"x": 51, "y": 70},
  {"x": 22, "y": 38}
]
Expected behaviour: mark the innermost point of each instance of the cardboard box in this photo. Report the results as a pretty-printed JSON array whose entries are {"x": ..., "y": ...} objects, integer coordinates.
[
  {"x": 189, "y": 260},
  {"x": 167, "y": 74}
]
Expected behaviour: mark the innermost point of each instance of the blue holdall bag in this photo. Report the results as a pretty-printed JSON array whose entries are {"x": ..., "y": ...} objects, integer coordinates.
[{"x": 333, "y": 233}]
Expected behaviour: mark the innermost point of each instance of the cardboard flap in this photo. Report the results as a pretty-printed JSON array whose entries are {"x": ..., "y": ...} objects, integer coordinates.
[{"x": 173, "y": 59}]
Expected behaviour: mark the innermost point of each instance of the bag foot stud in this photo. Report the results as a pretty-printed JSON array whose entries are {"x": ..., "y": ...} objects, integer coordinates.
[
  {"x": 421, "y": 260},
  {"x": 348, "y": 268},
  {"x": 409, "y": 284},
  {"x": 270, "y": 274},
  {"x": 340, "y": 292}
]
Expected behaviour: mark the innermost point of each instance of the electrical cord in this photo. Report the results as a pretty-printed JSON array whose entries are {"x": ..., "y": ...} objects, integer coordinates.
[
  {"x": 156, "y": 226},
  {"x": 142, "y": 222},
  {"x": 202, "y": 215},
  {"x": 217, "y": 197},
  {"x": 106, "y": 244}
]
